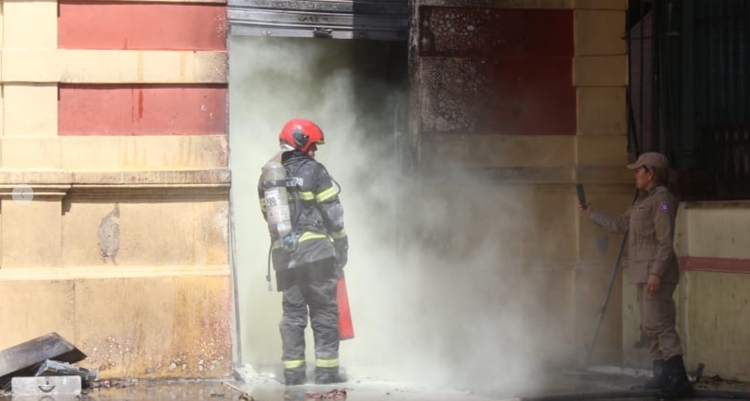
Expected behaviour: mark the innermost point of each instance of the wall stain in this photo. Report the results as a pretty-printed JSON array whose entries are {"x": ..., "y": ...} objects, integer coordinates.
[
  {"x": 109, "y": 235},
  {"x": 140, "y": 104}
]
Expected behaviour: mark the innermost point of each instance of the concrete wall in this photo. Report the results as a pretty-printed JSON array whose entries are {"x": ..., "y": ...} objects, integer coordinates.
[
  {"x": 116, "y": 118},
  {"x": 559, "y": 262},
  {"x": 553, "y": 264}
]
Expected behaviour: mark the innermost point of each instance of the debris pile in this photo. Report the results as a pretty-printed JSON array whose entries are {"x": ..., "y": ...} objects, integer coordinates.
[
  {"x": 244, "y": 395},
  {"x": 333, "y": 395},
  {"x": 46, "y": 364}
]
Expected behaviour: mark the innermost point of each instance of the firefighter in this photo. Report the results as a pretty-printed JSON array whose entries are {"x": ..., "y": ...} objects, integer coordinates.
[
  {"x": 652, "y": 267},
  {"x": 307, "y": 273}
]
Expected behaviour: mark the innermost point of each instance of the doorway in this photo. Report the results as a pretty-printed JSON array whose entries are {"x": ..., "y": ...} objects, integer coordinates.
[{"x": 357, "y": 91}]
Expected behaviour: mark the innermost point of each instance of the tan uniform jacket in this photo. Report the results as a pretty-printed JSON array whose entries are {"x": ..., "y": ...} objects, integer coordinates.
[{"x": 650, "y": 223}]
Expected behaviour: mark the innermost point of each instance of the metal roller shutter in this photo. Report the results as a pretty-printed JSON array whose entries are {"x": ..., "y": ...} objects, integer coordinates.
[{"x": 354, "y": 19}]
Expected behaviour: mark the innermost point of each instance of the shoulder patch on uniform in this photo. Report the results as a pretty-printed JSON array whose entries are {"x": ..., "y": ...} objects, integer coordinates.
[{"x": 664, "y": 206}]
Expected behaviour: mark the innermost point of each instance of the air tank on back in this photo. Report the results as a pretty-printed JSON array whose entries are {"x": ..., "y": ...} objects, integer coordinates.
[{"x": 277, "y": 199}]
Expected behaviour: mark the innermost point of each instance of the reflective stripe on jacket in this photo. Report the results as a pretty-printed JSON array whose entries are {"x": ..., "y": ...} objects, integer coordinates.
[{"x": 316, "y": 212}]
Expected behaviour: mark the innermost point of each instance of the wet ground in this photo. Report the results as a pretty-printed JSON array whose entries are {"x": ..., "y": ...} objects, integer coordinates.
[
  {"x": 265, "y": 389},
  {"x": 219, "y": 391}
]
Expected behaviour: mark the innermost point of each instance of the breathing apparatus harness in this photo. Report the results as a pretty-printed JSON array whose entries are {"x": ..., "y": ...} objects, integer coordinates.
[{"x": 277, "y": 187}]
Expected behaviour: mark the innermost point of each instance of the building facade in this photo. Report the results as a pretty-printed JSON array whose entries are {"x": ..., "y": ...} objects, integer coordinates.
[{"x": 115, "y": 114}]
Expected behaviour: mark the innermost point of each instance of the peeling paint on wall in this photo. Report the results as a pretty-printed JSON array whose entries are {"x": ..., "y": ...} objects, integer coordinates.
[
  {"x": 109, "y": 235},
  {"x": 496, "y": 71}
]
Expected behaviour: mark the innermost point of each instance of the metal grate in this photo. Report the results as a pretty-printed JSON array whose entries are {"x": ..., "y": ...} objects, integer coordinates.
[
  {"x": 689, "y": 92},
  {"x": 722, "y": 83}
]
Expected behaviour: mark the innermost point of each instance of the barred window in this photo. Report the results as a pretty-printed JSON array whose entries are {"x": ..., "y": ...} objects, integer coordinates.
[{"x": 689, "y": 92}]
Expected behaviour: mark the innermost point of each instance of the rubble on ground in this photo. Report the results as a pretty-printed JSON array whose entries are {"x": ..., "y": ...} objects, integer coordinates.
[{"x": 49, "y": 356}]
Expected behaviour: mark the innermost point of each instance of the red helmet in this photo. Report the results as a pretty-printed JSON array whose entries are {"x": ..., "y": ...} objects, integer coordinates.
[{"x": 301, "y": 134}]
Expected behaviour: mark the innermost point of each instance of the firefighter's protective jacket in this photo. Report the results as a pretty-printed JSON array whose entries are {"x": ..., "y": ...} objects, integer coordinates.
[{"x": 316, "y": 213}]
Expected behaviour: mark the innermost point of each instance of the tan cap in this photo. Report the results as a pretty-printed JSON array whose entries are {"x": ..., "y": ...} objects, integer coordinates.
[{"x": 650, "y": 159}]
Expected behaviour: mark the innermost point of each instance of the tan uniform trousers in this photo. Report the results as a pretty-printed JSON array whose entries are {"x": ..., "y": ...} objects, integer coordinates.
[{"x": 658, "y": 319}]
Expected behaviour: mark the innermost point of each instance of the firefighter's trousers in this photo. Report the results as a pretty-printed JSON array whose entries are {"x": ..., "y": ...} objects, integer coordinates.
[
  {"x": 310, "y": 286},
  {"x": 658, "y": 320}
]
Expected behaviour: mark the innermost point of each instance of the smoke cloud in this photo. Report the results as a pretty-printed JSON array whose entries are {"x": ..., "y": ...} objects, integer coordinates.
[{"x": 447, "y": 279}]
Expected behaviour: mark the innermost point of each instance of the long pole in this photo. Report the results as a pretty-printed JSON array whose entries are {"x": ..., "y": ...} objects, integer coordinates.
[{"x": 612, "y": 279}]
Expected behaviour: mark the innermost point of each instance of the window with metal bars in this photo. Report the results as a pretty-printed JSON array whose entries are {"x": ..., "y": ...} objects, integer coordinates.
[{"x": 689, "y": 92}]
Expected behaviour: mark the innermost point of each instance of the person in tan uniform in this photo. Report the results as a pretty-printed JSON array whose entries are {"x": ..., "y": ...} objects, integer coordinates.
[{"x": 652, "y": 267}]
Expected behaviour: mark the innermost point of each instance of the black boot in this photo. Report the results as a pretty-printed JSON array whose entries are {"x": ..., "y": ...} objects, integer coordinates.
[
  {"x": 328, "y": 376},
  {"x": 295, "y": 377},
  {"x": 676, "y": 382},
  {"x": 656, "y": 382}
]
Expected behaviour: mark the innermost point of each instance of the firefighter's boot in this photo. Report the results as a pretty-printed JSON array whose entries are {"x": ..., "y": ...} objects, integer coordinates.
[
  {"x": 328, "y": 376},
  {"x": 657, "y": 381},
  {"x": 676, "y": 382},
  {"x": 295, "y": 377}
]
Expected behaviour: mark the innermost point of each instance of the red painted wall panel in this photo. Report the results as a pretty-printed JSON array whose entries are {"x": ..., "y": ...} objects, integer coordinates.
[
  {"x": 515, "y": 96},
  {"x": 138, "y": 26},
  {"x": 142, "y": 110},
  {"x": 495, "y": 32},
  {"x": 724, "y": 265},
  {"x": 497, "y": 71}
]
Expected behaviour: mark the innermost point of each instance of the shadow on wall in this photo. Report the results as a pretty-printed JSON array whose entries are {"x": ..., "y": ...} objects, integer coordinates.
[{"x": 447, "y": 277}]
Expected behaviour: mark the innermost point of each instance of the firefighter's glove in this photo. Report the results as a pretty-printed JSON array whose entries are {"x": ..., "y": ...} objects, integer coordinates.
[{"x": 342, "y": 252}]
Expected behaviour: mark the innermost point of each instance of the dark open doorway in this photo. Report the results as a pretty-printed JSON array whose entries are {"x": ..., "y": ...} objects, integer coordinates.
[{"x": 352, "y": 79}]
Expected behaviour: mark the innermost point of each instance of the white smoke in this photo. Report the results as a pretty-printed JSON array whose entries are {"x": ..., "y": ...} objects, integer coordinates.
[{"x": 441, "y": 273}]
